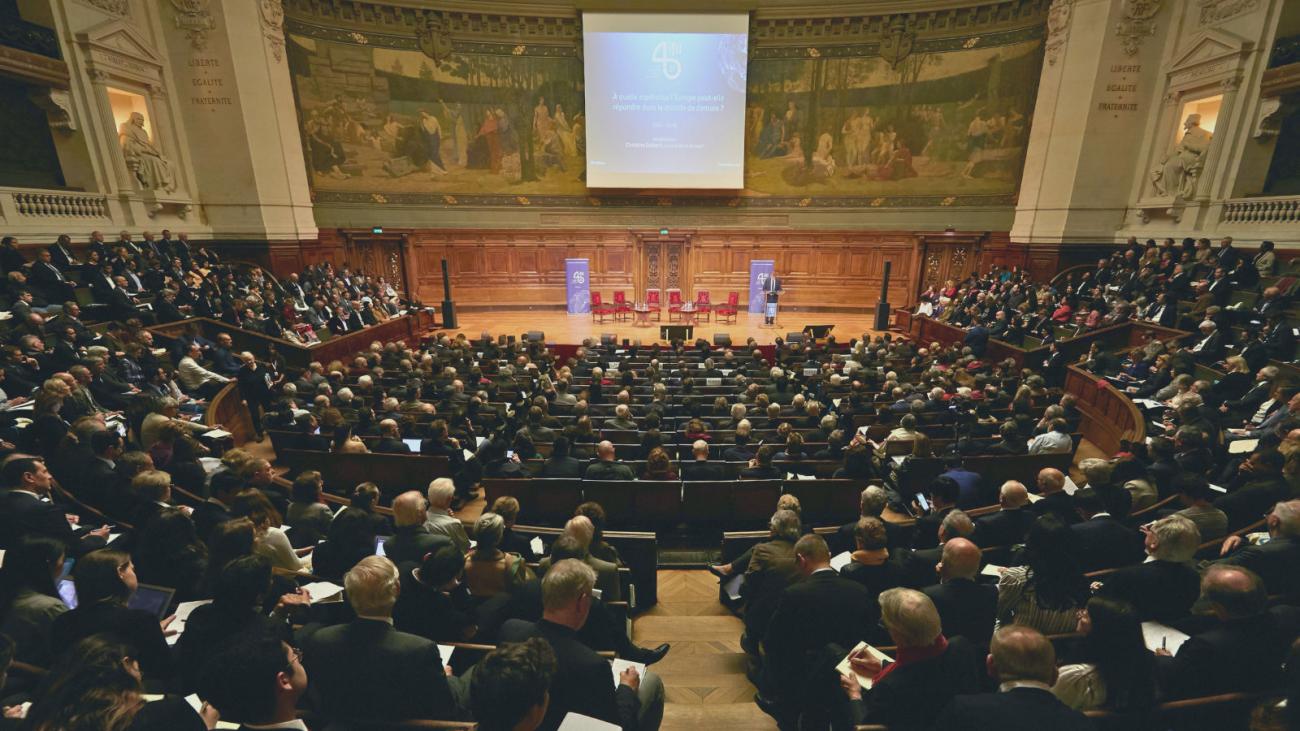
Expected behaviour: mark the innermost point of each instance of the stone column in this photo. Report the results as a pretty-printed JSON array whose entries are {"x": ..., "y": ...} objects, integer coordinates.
[
  {"x": 236, "y": 101},
  {"x": 1094, "y": 97}
]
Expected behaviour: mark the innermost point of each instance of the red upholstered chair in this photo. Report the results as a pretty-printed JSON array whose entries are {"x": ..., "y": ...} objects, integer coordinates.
[
  {"x": 622, "y": 308},
  {"x": 652, "y": 301},
  {"x": 599, "y": 309},
  {"x": 702, "y": 305},
  {"x": 730, "y": 309},
  {"x": 674, "y": 304}
]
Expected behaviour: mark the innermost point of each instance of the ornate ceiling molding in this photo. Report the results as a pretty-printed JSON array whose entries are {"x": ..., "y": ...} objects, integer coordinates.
[
  {"x": 1217, "y": 11},
  {"x": 113, "y": 7}
]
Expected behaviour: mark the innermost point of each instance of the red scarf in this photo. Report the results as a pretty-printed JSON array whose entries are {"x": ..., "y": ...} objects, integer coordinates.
[{"x": 908, "y": 655}]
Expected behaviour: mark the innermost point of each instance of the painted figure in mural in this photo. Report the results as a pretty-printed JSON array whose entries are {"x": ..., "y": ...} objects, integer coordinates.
[
  {"x": 1179, "y": 172},
  {"x": 431, "y": 129},
  {"x": 542, "y": 122},
  {"x": 459, "y": 137},
  {"x": 326, "y": 151},
  {"x": 552, "y": 149},
  {"x": 792, "y": 121},
  {"x": 769, "y": 141},
  {"x": 152, "y": 170},
  {"x": 564, "y": 128},
  {"x": 823, "y": 162},
  {"x": 485, "y": 149},
  {"x": 976, "y": 139}
]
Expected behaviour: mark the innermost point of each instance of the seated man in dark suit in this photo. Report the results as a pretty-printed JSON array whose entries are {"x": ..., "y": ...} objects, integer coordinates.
[
  {"x": 1274, "y": 560},
  {"x": 741, "y": 450},
  {"x": 1103, "y": 541},
  {"x": 1023, "y": 662},
  {"x": 824, "y": 608},
  {"x": 966, "y": 608},
  {"x": 701, "y": 469},
  {"x": 929, "y": 668},
  {"x": 256, "y": 682},
  {"x": 367, "y": 670},
  {"x": 511, "y": 684},
  {"x": 760, "y": 467},
  {"x": 25, "y": 512},
  {"x": 390, "y": 439},
  {"x": 605, "y": 468},
  {"x": 582, "y": 682},
  {"x": 560, "y": 463},
  {"x": 308, "y": 438},
  {"x": 871, "y": 504},
  {"x": 1164, "y": 588},
  {"x": 1009, "y": 525},
  {"x": 1055, "y": 500},
  {"x": 1242, "y": 651},
  {"x": 411, "y": 540}
]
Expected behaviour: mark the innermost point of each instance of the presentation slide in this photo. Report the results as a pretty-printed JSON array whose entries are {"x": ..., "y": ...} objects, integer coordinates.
[{"x": 665, "y": 99}]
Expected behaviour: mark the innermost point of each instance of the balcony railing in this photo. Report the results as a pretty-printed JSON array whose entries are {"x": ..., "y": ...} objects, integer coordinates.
[
  {"x": 1269, "y": 211},
  {"x": 51, "y": 204}
]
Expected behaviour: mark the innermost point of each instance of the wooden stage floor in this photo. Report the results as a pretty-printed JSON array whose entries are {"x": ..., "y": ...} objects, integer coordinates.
[{"x": 560, "y": 327}]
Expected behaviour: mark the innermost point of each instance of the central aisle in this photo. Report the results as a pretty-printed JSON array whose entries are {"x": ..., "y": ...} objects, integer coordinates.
[{"x": 704, "y": 674}]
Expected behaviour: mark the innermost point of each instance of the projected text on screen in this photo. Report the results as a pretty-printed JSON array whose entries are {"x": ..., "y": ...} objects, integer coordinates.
[{"x": 665, "y": 107}]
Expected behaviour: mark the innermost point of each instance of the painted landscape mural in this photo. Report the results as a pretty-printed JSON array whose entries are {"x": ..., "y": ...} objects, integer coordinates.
[{"x": 943, "y": 121}]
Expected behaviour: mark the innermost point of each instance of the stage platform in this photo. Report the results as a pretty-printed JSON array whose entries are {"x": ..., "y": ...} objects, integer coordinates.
[{"x": 560, "y": 327}]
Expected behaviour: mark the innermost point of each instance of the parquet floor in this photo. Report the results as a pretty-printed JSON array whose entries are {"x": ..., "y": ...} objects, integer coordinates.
[{"x": 704, "y": 674}]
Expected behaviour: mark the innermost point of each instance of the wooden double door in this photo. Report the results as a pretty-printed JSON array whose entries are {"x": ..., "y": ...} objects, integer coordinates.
[
  {"x": 380, "y": 255},
  {"x": 663, "y": 263}
]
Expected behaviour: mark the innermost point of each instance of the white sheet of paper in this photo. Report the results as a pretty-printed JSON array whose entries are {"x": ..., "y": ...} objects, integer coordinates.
[
  {"x": 322, "y": 590},
  {"x": 197, "y": 704},
  {"x": 445, "y": 652},
  {"x": 578, "y": 722},
  {"x": 1216, "y": 488},
  {"x": 1034, "y": 497},
  {"x": 836, "y": 402},
  {"x": 468, "y": 454},
  {"x": 840, "y": 560},
  {"x": 210, "y": 464},
  {"x": 993, "y": 570},
  {"x": 845, "y": 667},
  {"x": 536, "y": 545},
  {"x": 1070, "y": 488},
  {"x": 618, "y": 665},
  {"x": 1242, "y": 446},
  {"x": 113, "y": 537},
  {"x": 1155, "y": 634},
  {"x": 1147, "y": 403},
  {"x": 183, "y": 611},
  {"x": 216, "y": 433}
]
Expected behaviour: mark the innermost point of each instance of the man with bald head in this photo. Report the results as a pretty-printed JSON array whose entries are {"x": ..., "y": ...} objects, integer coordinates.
[
  {"x": 1051, "y": 488},
  {"x": 1009, "y": 525},
  {"x": 390, "y": 438},
  {"x": 1242, "y": 651},
  {"x": 1023, "y": 663},
  {"x": 411, "y": 540},
  {"x": 966, "y": 608},
  {"x": 701, "y": 468},
  {"x": 605, "y": 468}
]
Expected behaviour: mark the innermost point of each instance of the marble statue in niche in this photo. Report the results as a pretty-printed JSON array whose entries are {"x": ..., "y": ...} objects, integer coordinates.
[
  {"x": 151, "y": 169},
  {"x": 1179, "y": 171}
]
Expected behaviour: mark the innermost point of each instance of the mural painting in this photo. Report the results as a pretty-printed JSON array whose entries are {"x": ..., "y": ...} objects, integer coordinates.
[
  {"x": 937, "y": 122},
  {"x": 499, "y": 120}
]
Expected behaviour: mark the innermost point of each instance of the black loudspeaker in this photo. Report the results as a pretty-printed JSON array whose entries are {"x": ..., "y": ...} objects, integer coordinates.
[
  {"x": 535, "y": 336},
  {"x": 448, "y": 307},
  {"x": 882, "y": 307},
  {"x": 794, "y": 337},
  {"x": 722, "y": 340},
  {"x": 610, "y": 339}
]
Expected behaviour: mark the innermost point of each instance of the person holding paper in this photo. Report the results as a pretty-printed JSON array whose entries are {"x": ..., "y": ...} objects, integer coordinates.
[
  {"x": 1163, "y": 588},
  {"x": 1242, "y": 651},
  {"x": 1113, "y": 668},
  {"x": 366, "y": 669},
  {"x": 582, "y": 681},
  {"x": 929, "y": 669},
  {"x": 1273, "y": 557},
  {"x": 822, "y": 609}
]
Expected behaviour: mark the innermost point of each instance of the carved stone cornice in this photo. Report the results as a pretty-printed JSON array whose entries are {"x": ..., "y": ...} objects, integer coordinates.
[
  {"x": 196, "y": 19},
  {"x": 271, "y": 13},
  {"x": 115, "y": 7},
  {"x": 34, "y": 68}
]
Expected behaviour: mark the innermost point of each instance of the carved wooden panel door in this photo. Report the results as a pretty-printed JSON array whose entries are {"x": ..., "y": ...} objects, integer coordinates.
[
  {"x": 663, "y": 263},
  {"x": 947, "y": 258},
  {"x": 380, "y": 256}
]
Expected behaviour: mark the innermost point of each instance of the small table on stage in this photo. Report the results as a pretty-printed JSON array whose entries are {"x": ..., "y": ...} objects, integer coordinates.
[
  {"x": 641, "y": 312},
  {"x": 688, "y": 314}
]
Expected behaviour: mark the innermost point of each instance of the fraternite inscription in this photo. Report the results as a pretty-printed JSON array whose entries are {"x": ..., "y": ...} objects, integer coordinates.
[{"x": 207, "y": 86}]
